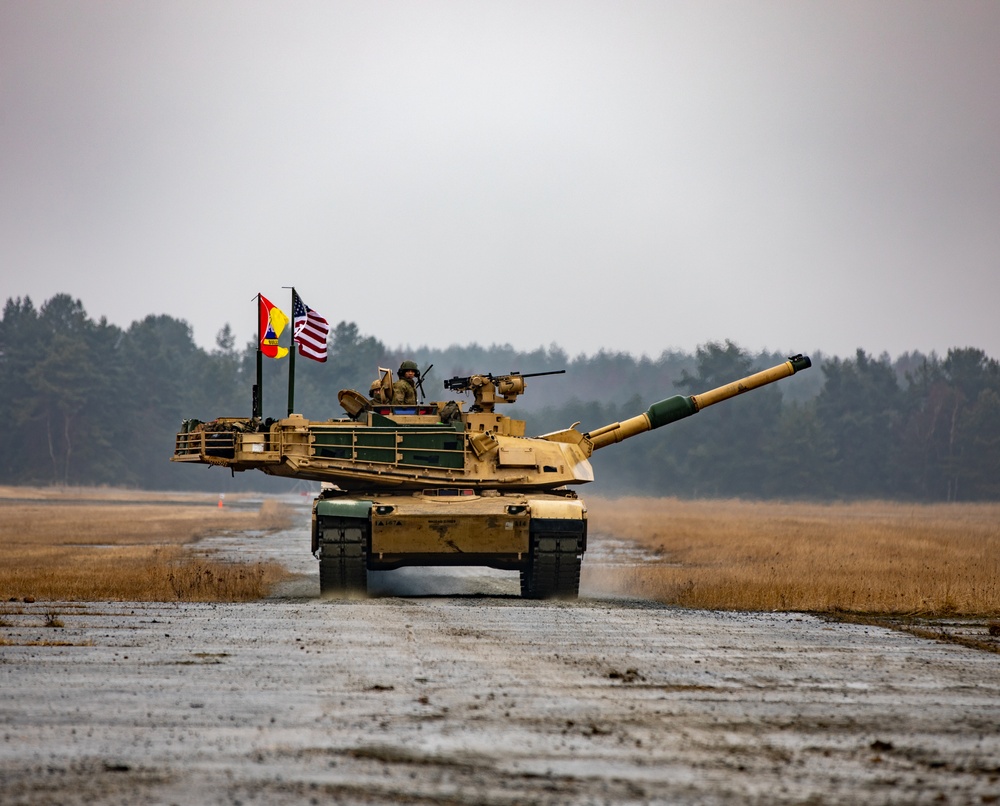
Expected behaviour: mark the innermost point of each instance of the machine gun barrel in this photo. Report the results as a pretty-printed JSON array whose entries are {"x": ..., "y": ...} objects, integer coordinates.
[
  {"x": 539, "y": 374},
  {"x": 679, "y": 406}
]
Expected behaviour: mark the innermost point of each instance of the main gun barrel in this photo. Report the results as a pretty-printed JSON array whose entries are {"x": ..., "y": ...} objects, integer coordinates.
[{"x": 679, "y": 406}]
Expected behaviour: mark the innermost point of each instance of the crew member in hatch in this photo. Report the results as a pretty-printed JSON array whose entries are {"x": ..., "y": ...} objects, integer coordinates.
[{"x": 404, "y": 391}]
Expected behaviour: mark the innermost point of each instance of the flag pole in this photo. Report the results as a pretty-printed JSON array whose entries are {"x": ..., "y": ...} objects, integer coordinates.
[
  {"x": 291, "y": 360},
  {"x": 257, "y": 402}
]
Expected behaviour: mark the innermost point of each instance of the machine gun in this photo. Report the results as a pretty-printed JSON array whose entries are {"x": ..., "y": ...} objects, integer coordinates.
[
  {"x": 486, "y": 387},
  {"x": 419, "y": 381}
]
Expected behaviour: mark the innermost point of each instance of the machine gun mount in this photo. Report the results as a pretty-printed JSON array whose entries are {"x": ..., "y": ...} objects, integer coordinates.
[{"x": 486, "y": 388}]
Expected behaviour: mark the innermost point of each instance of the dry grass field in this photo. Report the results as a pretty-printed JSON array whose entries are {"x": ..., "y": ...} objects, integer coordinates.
[
  {"x": 867, "y": 557},
  {"x": 106, "y": 545},
  {"x": 883, "y": 558}
]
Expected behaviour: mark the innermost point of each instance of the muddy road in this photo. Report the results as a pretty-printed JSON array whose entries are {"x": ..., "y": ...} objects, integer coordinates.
[{"x": 448, "y": 688}]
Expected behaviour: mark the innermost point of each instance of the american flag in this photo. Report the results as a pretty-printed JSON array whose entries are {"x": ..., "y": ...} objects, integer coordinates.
[{"x": 310, "y": 329}]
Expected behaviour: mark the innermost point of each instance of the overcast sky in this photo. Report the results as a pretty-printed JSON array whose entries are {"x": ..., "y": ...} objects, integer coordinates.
[{"x": 633, "y": 176}]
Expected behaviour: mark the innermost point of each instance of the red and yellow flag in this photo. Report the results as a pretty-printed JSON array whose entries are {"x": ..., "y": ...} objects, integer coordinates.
[{"x": 272, "y": 322}]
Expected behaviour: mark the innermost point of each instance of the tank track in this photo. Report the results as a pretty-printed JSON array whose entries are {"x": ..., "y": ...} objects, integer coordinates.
[
  {"x": 554, "y": 559},
  {"x": 343, "y": 556}
]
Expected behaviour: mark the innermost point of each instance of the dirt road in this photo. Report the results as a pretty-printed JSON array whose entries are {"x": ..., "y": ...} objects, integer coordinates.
[{"x": 460, "y": 697}]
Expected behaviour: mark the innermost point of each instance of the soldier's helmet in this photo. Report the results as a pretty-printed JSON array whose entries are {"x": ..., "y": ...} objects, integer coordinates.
[{"x": 408, "y": 365}]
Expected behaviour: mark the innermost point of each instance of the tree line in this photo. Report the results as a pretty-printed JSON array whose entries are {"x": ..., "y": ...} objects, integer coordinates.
[{"x": 88, "y": 403}]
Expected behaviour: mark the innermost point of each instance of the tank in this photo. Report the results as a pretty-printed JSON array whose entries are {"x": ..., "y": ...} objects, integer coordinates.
[{"x": 437, "y": 484}]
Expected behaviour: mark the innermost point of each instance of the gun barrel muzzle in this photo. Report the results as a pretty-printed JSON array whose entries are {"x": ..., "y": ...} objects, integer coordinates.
[
  {"x": 678, "y": 407},
  {"x": 794, "y": 364}
]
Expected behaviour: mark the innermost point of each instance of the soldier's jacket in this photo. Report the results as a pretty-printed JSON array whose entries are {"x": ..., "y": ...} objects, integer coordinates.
[{"x": 404, "y": 393}]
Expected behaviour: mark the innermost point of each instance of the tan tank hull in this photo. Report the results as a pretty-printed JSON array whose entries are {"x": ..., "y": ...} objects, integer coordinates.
[{"x": 434, "y": 485}]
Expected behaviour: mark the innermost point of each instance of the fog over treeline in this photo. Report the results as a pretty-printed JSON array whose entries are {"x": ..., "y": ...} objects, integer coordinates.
[{"x": 89, "y": 403}]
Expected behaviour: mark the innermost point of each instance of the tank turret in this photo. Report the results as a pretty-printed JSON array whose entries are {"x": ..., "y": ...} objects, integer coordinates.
[{"x": 435, "y": 484}]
